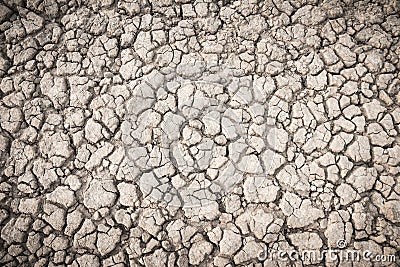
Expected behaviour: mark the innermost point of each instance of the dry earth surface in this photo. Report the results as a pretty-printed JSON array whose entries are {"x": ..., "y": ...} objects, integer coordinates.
[{"x": 198, "y": 133}]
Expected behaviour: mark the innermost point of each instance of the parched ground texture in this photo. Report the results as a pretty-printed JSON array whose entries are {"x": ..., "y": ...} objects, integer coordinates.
[{"x": 184, "y": 133}]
